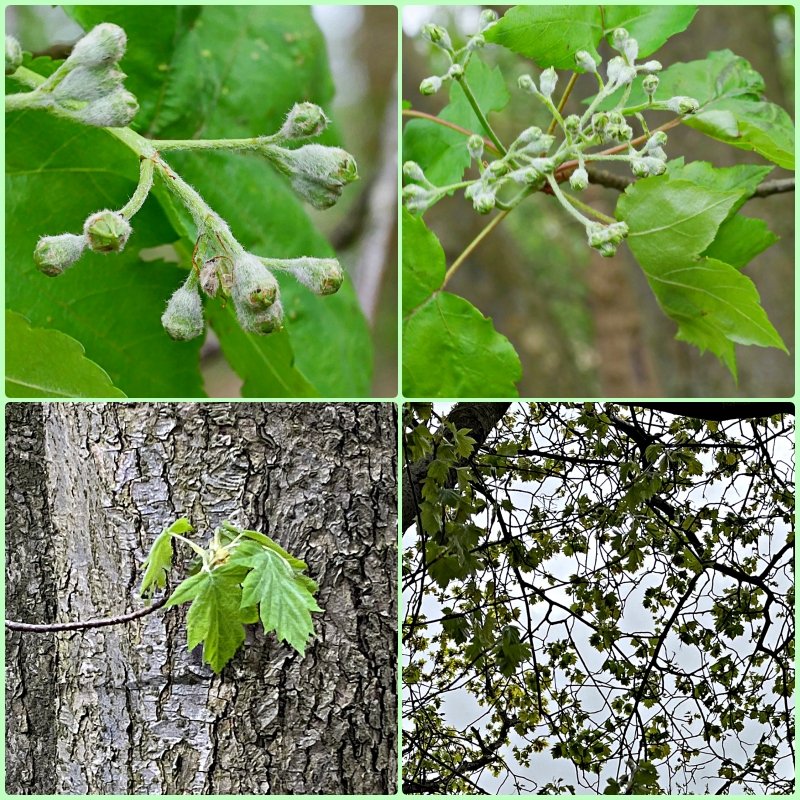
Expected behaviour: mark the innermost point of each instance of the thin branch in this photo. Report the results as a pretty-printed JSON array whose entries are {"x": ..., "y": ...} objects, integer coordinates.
[
  {"x": 410, "y": 112},
  {"x": 473, "y": 244},
  {"x": 120, "y": 619}
]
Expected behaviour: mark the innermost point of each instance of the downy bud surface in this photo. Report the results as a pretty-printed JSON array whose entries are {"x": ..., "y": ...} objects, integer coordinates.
[
  {"x": 584, "y": 60},
  {"x": 475, "y": 146},
  {"x": 106, "y": 231},
  {"x": 89, "y": 83},
  {"x": 579, "y": 179},
  {"x": 683, "y": 105},
  {"x": 430, "y": 85},
  {"x": 304, "y": 121},
  {"x": 183, "y": 318},
  {"x": 547, "y": 81},
  {"x": 54, "y": 254},
  {"x": 268, "y": 320},
  {"x": 103, "y": 45},
  {"x": 254, "y": 286},
  {"x": 13, "y": 55},
  {"x": 437, "y": 35},
  {"x": 322, "y": 276},
  {"x": 111, "y": 111}
]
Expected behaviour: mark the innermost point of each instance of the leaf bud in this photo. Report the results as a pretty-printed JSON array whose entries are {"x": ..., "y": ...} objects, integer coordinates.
[
  {"x": 115, "y": 110},
  {"x": 322, "y": 276},
  {"x": 437, "y": 35},
  {"x": 106, "y": 231},
  {"x": 526, "y": 83},
  {"x": 318, "y": 173},
  {"x": 487, "y": 18},
  {"x": 183, "y": 318},
  {"x": 430, "y": 85},
  {"x": 103, "y": 45},
  {"x": 54, "y": 254},
  {"x": 547, "y": 81},
  {"x": 475, "y": 146},
  {"x": 683, "y": 105},
  {"x": 585, "y": 61},
  {"x": 455, "y": 72},
  {"x": 268, "y": 320},
  {"x": 303, "y": 121},
  {"x": 13, "y": 55},
  {"x": 413, "y": 172},
  {"x": 579, "y": 179},
  {"x": 254, "y": 286},
  {"x": 650, "y": 84}
]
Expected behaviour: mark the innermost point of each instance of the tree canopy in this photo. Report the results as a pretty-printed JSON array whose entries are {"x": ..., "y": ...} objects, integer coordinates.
[{"x": 599, "y": 598}]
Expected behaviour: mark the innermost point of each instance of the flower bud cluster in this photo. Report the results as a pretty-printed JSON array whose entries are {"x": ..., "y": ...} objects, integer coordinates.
[
  {"x": 457, "y": 58},
  {"x": 606, "y": 238}
]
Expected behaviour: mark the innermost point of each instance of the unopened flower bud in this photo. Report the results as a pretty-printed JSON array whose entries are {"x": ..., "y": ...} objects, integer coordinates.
[
  {"x": 209, "y": 277},
  {"x": 683, "y": 105},
  {"x": 572, "y": 123},
  {"x": 183, "y": 318},
  {"x": 475, "y": 42},
  {"x": 413, "y": 172},
  {"x": 579, "y": 179},
  {"x": 658, "y": 139},
  {"x": 89, "y": 83},
  {"x": 619, "y": 37},
  {"x": 437, "y": 35},
  {"x": 323, "y": 276},
  {"x": 455, "y": 72},
  {"x": 254, "y": 286},
  {"x": 651, "y": 66},
  {"x": 54, "y": 254},
  {"x": 430, "y": 85},
  {"x": 487, "y": 18},
  {"x": 106, "y": 231},
  {"x": 498, "y": 168},
  {"x": 650, "y": 84},
  {"x": 303, "y": 121},
  {"x": 475, "y": 146},
  {"x": 482, "y": 196},
  {"x": 547, "y": 81},
  {"x": 13, "y": 55},
  {"x": 263, "y": 322},
  {"x": 526, "y": 83},
  {"x": 115, "y": 110},
  {"x": 318, "y": 173},
  {"x": 103, "y": 45},
  {"x": 584, "y": 60},
  {"x": 630, "y": 49},
  {"x": 606, "y": 238},
  {"x": 619, "y": 72},
  {"x": 417, "y": 199}
]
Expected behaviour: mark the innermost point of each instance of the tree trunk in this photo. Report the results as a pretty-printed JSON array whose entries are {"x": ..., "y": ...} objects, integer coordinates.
[{"x": 126, "y": 709}]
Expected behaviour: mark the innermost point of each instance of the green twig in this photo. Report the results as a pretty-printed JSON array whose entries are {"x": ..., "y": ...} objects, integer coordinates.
[
  {"x": 462, "y": 81},
  {"x": 473, "y": 244}
]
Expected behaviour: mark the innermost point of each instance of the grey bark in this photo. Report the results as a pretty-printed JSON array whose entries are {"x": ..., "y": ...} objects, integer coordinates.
[{"x": 134, "y": 712}]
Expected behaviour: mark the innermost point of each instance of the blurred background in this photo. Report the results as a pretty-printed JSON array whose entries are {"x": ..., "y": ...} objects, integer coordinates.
[
  {"x": 588, "y": 326},
  {"x": 362, "y": 50}
]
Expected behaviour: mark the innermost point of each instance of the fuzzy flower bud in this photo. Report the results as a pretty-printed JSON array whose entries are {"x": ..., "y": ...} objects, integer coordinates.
[
  {"x": 430, "y": 85},
  {"x": 547, "y": 81},
  {"x": 455, "y": 72},
  {"x": 437, "y": 35},
  {"x": 475, "y": 42},
  {"x": 606, "y": 238},
  {"x": 683, "y": 105},
  {"x": 630, "y": 49},
  {"x": 183, "y": 318},
  {"x": 266, "y": 321},
  {"x": 413, "y": 172},
  {"x": 106, "y": 231},
  {"x": 650, "y": 84},
  {"x": 651, "y": 66},
  {"x": 487, "y": 18},
  {"x": 475, "y": 146},
  {"x": 526, "y": 83},
  {"x": 13, "y": 55},
  {"x": 619, "y": 72},
  {"x": 579, "y": 179},
  {"x": 619, "y": 37},
  {"x": 89, "y": 83},
  {"x": 658, "y": 139},
  {"x": 103, "y": 45},
  {"x": 482, "y": 196},
  {"x": 111, "y": 111},
  {"x": 418, "y": 199},
  {"x": 645, "y": 166},
  {"x": 303, "y": 121},
  {"x": 572, "y": 123},
  {"x": 585, "y": 61},
  {"x": 318, "y": 173},
  {"x": 209, "y": 277},
  {"x": 254, "y": 286},
  {"x": 322, "y": 275},
  {"x": 54, "y": 254}
]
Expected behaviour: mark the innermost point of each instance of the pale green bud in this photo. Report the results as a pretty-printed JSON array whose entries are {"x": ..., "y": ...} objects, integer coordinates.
[
  {"x": 547, "y": 81},
  {"x": 418, "y": 199},
  {"x": 630, "y": 49},
  {"x": 487, "y": 18},
  {"x": 475, "y": 42},
  {"x": 606, "y": 238},
  {"x": 526, "y": 83},
  {"x": 658, "y": 139},
  {"x": 579, "y": 179},
  {"x": 455, "y": 72},
  {"x": 111, "y": 111},
  {"x": 303, "y": 121},
  {"x": 106, "y": 231},
  {"x": 650, "y": 84},
  {"x": 254, "y": 286},
  {"x": 322, "y": 276},
  {"x": 619, "y": 37},
  {"x": 482, "y": 196},
  {"x": 651, "y": 66},
  {"x": 269, "y": 320},
  {"x": 498, "y": 168},
  {"x": 475, "y": 145},
  {"x": 572, "y": 123},
  {"x": 54, "y": 254},
  {"x": 13, "y": 55},
  {"x": 103, "y": 45},
  {"x": 437, "y": 35},
  {"x": 619, "y": 72},
  {"x": 430, "y": 85},
  {"x": 682, "y": 105},
  {"x": 414, "y": 172},
  {"x": 89, "y": 83},
  {"x": 183, "y": 318},
  {"x": 585, "y": 61}
]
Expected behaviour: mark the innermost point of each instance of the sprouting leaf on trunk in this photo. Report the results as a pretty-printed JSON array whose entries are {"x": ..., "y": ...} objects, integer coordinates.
[{"x": 159, "y": 560}]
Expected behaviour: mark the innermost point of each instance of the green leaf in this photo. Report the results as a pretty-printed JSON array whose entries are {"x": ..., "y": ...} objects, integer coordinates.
[
  {"x": 283, "y": 598},
  {"x": 47, "y": 363},
  {"x": 265, "y": 541},
  {"x": 672, "y": 222},
  {"x": 442, "y": 152},
  {"x": 159, "y": 560},
  {"x": 449, "y": 348},
  {"x": 651, "y": 26},
  {"x": 214, "y": 617},
  {"x": 512, "y": 652},
  {"x": 740, "y": 239},
  {"x": 732, "y": 108},
  {"x": 549, "y": 35},
  {"x": 57, "y": 174}
]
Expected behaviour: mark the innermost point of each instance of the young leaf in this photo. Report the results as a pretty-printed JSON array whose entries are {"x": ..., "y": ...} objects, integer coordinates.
[
  {"x": 283, "y": 598},
  {"x": 215, "y": 616},
  {"x": 265, "y": 541},
  {"x": 159, "y": 560},
  {"x": 651, "y": 26},
  {"x": 449, "y": 348}
]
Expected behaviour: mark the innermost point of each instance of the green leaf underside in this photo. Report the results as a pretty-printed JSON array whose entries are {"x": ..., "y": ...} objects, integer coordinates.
[
  {"x": 551, "y": 35},
  {"x": 449, "y": 348},
  {"x": 732, "y": 108},
  {"x": 672, "y": 222},
  {"x": 282, "y": 596},
  {"x": 48, "y": 363},
  {"x": 214, "y": 618},
  {"x": 56, "y": 174},
  {"x": 159, "y": 560},
  {"x": 442, "y": 152}
]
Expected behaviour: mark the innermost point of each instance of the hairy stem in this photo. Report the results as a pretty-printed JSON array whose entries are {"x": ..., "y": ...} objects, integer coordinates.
[
  {"x": 589, "y": 210},
  {"x": 563, "y": 101},
  {"x": 142, "y": 189}
]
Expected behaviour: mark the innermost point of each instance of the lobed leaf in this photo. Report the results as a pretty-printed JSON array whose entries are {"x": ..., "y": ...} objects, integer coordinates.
[{"x": 159, "y": 560}]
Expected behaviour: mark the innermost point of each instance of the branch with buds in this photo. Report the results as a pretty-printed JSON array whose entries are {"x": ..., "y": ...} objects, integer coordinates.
[{"x": 88, "y": 88}]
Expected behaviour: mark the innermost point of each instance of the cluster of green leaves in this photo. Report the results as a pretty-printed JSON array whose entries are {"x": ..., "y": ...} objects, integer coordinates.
[
  {"x": 611, "y": 586},
  {"x": 197, "y": 71},
  {"x": 240, "y": 578},
  {"x": 685, "y": 226}
]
